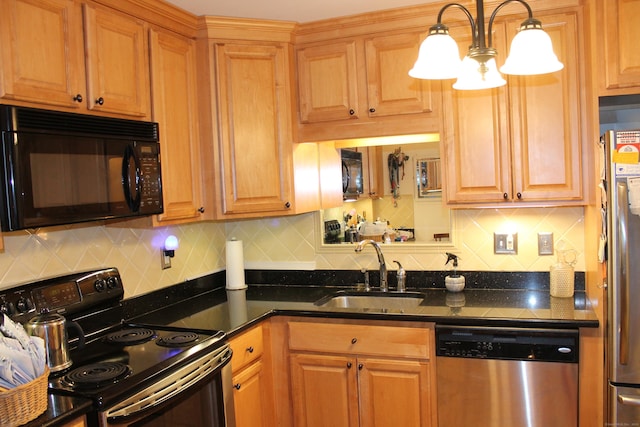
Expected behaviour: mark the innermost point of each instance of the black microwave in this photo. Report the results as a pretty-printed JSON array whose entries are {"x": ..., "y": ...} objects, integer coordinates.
[{"x": 62, "y": 168}]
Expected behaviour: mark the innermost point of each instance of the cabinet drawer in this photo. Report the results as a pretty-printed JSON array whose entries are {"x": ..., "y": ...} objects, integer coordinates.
[
  {"x": 246, "y": 348},
  {"x": 393, "y": 341}
]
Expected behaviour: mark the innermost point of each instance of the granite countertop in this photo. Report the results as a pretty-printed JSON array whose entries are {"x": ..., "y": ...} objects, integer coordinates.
[
  {"x": 234, "y": 311},
  {"x": 61, "y": 410}
]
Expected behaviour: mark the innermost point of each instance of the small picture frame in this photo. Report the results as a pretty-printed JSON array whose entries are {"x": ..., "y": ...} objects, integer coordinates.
[{"x": 428, "y": 179}]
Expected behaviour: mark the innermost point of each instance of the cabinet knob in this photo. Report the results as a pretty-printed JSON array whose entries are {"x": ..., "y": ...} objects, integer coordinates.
[
  {"x": 519, "y": 195},
  {"x": 100, "y": 101},
  {"x": 354, "y": 340},
  {"x": 201, "y": 209},
  {"x": 351, "y": 112},
  {"x": 505, "y": 196},
  {"x": 250, "y": 349},
  {"x": 372, "y": 110},
  {"x": 360, "y": 366},
  {"x": 349, "y": 365},
  {"x": 77, "y": 98},
  {"x": 237, "y": 386},
  {"x": 287, "y": 205}
]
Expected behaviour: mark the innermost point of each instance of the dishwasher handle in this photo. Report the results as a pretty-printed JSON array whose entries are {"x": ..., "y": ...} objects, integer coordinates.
[{"x": 629, "y": 400}]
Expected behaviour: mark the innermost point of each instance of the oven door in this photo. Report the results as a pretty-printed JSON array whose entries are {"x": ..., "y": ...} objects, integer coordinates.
[{"x": 198, "y": 393}]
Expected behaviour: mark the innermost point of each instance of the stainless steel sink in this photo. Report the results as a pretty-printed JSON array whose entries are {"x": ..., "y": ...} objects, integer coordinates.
[{"x": 372, "y": 300}]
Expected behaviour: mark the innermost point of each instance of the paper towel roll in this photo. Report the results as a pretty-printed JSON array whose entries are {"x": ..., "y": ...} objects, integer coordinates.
[{"x": 235, "y": 265}]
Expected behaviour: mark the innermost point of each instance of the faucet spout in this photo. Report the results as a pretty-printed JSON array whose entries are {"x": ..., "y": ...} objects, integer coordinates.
[{"x": 384, "y": 284}]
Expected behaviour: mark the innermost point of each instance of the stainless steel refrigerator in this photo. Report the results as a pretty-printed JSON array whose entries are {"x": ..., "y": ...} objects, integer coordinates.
[{"x": 621, "y": 233}]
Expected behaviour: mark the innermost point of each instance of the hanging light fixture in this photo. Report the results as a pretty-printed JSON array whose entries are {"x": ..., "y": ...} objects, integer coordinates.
[{"x": 438, "y": 59}]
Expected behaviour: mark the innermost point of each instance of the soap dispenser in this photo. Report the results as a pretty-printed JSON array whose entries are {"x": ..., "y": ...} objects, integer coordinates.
[
  {"x": 455, "y": 281},
  {"x": 402, "y": 277}
]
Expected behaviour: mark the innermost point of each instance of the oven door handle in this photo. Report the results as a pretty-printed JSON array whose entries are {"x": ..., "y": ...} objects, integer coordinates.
[{"x": 161, "y": 391}]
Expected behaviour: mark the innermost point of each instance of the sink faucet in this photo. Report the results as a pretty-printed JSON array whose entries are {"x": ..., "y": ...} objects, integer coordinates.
[{"x": 384, "y": 284}]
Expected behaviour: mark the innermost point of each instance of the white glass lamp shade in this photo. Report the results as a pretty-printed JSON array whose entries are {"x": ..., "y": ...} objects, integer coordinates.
[
  {"x": 438, "y": 58},
  {"x": 471, "y": 77},
  {"x": 531, "y": 53}
]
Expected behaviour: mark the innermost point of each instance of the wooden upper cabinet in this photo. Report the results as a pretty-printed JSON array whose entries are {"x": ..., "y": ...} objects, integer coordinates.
[
  {"x": 362, "y": 87},
  {"x": 255, "y": 145},
  {"x": 175, "y": 108},
  {"x": 328, "y": 87},
  {"x": 117, "y": 62},
  {"x": 522, "y": 142},
  {"x": 43, "y": 46},
  {"x": 390, "y": 89},
  {"x": 618, "y": 58},
  {"x": 42, "y": 63}
]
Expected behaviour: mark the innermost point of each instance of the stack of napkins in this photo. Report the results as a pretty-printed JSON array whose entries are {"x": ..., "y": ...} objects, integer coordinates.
[{"x": 22, "y": 357}]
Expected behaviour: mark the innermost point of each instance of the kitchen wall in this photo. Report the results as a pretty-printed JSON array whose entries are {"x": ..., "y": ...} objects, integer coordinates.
[{"x": 277, "y": 243}]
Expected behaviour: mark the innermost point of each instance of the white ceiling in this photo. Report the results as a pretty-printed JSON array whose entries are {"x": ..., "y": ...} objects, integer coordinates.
[{"x": 290, "y": 10}]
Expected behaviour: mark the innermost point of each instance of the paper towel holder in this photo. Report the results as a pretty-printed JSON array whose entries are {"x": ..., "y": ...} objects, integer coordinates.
[{"x": 169, "y": 251}]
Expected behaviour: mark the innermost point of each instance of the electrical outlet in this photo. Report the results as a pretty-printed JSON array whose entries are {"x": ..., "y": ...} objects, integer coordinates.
[
  {"x": 545, "y": 243},
  {"x": 505, "y": 243}
]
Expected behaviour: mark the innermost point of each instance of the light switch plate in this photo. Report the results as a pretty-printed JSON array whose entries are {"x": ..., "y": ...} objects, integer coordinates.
[
  {"x": 505, "y": 243},
  {"x": 545, "y": 243}
]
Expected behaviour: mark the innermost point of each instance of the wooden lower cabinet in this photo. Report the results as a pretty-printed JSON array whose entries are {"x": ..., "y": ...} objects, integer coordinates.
[
  {"x": 377, "y": 375},
  {"x": 346, "y": 391},
  {"x": 76, "y": 422},
  {"x": 252, "y": 384}
]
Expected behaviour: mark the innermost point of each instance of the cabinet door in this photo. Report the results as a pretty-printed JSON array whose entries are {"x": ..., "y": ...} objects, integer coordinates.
[
  {"x": 546, "y": 124},
  {"x": 324, "y": 391},
  {"x": 255, "y": 128},
  {"x": 390, "y": 89},
  {"x": 42, "y": 63},
  {"x": 617, "y": 37},
  {"x": 173, "y": 79},
  {"x": 395, "y": 393},
  {"x": 251, "y": 396},
  {"x": 327, "y": 79},
  {"x": 117, "y": 62},
  {"x": 476, "y": 153}
]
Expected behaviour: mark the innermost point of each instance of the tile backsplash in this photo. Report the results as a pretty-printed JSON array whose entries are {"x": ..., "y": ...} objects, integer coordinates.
[{"x": 278, "y": 243}]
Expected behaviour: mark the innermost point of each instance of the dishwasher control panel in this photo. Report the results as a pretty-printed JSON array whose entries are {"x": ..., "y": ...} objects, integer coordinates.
[{"x": 550, "y": 345}]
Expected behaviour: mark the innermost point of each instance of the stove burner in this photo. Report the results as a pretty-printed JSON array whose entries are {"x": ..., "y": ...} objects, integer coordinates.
[
  {"x": 130, "y": 336},
  {"x": 97, "y": 374},
  {"x": 178, "y": 339}
]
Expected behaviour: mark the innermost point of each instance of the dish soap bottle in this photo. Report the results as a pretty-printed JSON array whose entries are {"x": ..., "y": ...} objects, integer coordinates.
[{"x": 455, "y": 281}]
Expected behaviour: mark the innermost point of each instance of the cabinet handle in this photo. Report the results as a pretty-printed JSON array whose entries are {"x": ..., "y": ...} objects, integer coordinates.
[
  {"x": 287, "y": 205},
  {"x": 372, "y": 110},
  {"x": 505, "y": 196},
  {"x": 77, "y": 98},
  {"x": 519, "y": 195},
  {"x": 360, "y": 366},
  {"x": 351, "y": 112},
  {"x": 250, "y": 349},
  {"x": 100, "y": 101},
  {"x": 201, "y": 209},
  {"x": 354, "y": 340},
  {"x": 349, "y": 365},
  {"x": 237, "y": 386}
]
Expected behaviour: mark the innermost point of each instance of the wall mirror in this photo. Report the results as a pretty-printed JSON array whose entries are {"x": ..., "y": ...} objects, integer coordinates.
[{"x": 409, "y": 201}]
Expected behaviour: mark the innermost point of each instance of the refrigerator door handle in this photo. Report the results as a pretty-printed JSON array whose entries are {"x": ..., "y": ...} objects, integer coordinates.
[
  {"x": 623, "y": 269},
  {"x": 629, "y": 400}
]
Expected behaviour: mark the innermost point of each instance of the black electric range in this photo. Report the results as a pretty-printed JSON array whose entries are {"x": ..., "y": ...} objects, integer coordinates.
[{"x": 127, "y": 369}]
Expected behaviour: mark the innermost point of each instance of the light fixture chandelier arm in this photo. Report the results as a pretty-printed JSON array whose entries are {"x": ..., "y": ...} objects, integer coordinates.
[
  {"x": 497, "y": 9},
  {"x": 466, "y": 12}
]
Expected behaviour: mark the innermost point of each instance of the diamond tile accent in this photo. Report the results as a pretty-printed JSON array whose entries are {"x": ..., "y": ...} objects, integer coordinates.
[{"x": 31, "y": 255}]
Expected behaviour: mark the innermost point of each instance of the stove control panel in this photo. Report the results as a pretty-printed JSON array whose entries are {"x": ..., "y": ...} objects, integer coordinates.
[{"x": 67, "y": 294}]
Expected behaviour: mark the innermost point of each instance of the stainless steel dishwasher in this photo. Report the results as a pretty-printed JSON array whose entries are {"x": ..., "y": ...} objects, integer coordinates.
[{"x": 507, "y": 377}]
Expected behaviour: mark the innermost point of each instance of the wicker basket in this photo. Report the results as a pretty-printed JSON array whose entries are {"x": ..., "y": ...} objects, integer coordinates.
[{"x": 24, "y": 403}]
